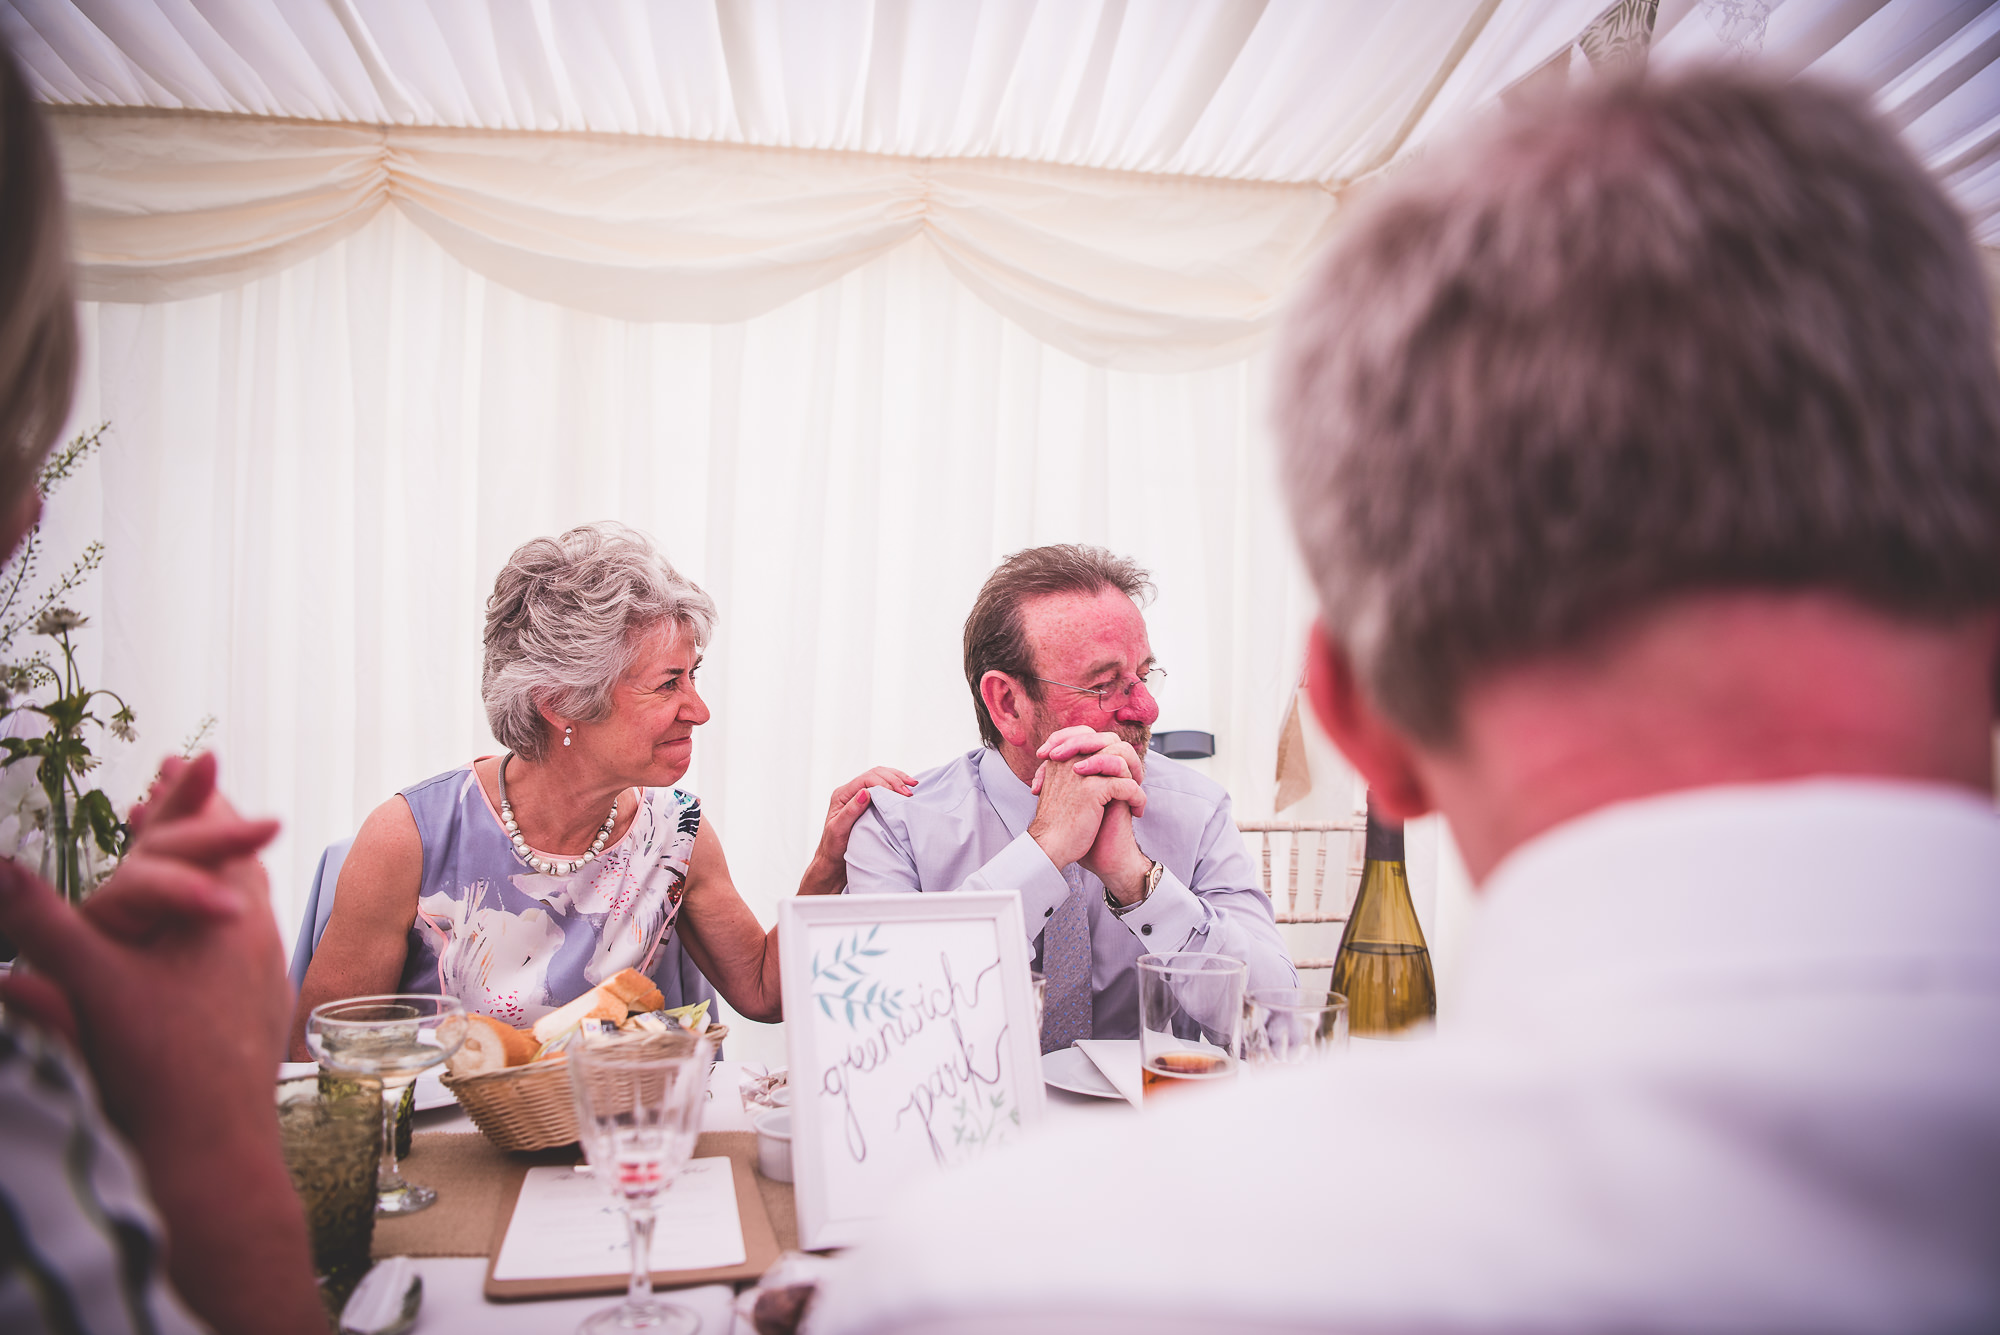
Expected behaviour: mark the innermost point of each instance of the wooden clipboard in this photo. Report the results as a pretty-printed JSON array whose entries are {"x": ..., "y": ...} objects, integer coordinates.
[{"x": 760, "y": 1242}]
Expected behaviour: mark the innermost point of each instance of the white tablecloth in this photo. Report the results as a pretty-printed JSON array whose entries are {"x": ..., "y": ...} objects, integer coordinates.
[{"x": 454, "y": 1300}]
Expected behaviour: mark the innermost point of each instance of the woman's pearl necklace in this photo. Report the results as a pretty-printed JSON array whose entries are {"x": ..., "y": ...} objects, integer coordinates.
[{"x": 543, "y": 865}]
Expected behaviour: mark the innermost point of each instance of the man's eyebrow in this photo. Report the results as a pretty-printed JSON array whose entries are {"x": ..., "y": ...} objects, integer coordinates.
[{"x": 1104, "y": 665}]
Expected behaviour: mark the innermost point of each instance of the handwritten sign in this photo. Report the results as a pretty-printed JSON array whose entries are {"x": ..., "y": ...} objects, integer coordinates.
[{"x": 912, "y": 1044}]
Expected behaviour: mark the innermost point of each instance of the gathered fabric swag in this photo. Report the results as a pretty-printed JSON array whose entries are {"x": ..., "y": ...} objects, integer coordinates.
[{"x": 1125, "y": 270}]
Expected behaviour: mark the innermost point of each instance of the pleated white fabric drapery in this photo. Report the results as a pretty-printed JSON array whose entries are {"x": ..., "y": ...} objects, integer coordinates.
[
  {"x": 1121, "y": 268},
  {"x": 311, "y": 480}
]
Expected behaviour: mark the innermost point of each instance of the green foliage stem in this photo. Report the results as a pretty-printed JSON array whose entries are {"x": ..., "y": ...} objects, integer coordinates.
[{"x": 62, "y": 752}]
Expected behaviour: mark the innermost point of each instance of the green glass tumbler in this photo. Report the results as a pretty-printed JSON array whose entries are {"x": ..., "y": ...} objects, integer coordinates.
[
  {"x": 406, "y": 1106},
  {"x": 332, "y": 1143}
]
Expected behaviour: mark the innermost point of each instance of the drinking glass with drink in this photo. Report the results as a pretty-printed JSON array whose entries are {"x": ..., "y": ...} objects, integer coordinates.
[
  {"x": 1190, "y": 1019},
  {"x": 391, "y": 1039},
  {"x": 1288, "y": 1026},
  {"x": 638, "y": 1114},
  {"x": 332, "y": 1141}
]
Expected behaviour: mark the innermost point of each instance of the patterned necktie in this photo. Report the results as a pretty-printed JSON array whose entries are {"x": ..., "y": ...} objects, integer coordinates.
[{"x": 1066, "y": 966}]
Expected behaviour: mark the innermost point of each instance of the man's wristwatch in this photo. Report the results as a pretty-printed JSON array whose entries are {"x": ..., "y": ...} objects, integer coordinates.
[{"x": 1118, "y": 910}]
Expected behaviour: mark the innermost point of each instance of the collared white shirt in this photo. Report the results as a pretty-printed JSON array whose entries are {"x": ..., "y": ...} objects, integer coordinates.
[
  {"x": 1729, "y": 1061},
  {"x": 966, "y": 827}
]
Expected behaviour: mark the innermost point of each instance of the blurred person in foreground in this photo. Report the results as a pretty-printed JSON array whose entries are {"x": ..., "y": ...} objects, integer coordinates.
[
  {"x": 1116, "y": 852},
  {"x": 1646, "y": 454},
  {"x": 138, "y": 1132}
]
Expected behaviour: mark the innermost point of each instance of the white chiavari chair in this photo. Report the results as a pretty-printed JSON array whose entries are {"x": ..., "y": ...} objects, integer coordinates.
[{"x": 1319, "y": 896}]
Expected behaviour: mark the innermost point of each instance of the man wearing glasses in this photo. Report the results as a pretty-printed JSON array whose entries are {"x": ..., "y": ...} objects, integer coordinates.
[{"x": 1115, "y": 853}]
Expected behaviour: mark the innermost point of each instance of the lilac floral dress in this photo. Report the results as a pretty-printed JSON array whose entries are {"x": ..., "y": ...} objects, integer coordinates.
[{"x": 512, "y": 943}]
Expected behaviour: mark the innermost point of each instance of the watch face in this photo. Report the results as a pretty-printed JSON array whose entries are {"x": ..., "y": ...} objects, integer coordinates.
[{"x": 1146, "y": 889}]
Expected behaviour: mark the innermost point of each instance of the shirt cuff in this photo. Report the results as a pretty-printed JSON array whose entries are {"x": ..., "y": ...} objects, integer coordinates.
[
  {"x": 1024, "y": 867},
  {"x": 1169, "y": 917}
]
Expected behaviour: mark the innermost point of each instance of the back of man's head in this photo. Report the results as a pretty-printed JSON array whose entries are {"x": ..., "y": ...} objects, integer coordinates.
[{"x": 1713, "y": 333}]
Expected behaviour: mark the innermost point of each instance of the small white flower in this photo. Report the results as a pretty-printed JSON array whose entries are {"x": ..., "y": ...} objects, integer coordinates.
[
  {"x": 23, "y": 805},
  {"x": 59, "y": 619},
  {"x": 20, "y": 788},
  {"x": 121, "y": 728}
]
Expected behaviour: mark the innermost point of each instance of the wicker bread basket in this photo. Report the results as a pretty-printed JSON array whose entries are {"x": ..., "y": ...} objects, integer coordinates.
[{"x": 528, "y": 1107}]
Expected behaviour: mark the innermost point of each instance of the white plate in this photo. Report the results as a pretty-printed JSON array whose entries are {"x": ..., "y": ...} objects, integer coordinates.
[
  {"x": 430, "y": 1092},
  {"x": 1066, "y": 1068}
]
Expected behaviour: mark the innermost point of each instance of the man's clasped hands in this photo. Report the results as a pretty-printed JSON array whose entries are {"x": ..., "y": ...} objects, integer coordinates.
[{"x": 1088, "y": 786}]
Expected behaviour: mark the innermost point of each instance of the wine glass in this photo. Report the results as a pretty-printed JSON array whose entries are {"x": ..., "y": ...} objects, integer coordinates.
[
  {"x": 391, "y": 1039},
  {"x": 638, "y": 1112}
]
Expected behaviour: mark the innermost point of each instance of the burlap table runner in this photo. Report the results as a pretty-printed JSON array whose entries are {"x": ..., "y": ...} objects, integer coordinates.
[{"x": 471, "y": 1178}]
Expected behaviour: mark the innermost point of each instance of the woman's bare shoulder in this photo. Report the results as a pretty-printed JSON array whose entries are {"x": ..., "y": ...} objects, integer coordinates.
[
  {"x": 707, "y": 864},
  {"x": 388, "y": 854}
]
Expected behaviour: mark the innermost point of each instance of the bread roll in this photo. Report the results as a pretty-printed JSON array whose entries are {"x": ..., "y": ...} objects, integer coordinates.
[
  {"x": 635, "y": 990},
  {"x": 596, "y": 1004},
  {"x": 521, "y": 1045},
  {"x": 489, "y": 1046}
]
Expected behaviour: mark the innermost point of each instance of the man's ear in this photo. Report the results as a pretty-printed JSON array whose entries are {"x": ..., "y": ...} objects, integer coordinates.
[
  {"x": 1007, "y": 704},
  {"x": 1371, "y": 743}
]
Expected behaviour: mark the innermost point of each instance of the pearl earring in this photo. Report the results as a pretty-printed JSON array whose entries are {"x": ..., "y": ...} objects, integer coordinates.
[{"x": 566, "y": 733}]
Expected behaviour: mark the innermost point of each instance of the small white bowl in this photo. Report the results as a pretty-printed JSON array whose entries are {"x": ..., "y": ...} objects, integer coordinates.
[{"x": 774, "y": 1144}]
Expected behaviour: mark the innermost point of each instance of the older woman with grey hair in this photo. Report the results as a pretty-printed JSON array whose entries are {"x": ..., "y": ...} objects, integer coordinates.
[{"x": 517, "y": 882}]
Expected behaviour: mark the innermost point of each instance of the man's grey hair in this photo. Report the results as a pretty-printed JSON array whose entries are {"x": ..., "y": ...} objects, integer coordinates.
[
  {"x": 1663, "y": 337},
  {"x": 996, "y": 632},
  {"x": 565, "y": 622}
]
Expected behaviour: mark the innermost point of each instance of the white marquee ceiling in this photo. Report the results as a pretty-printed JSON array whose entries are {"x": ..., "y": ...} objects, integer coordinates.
[
  {"x": 1207, "y": 87},
  {"x": 1272, "y": 90}
]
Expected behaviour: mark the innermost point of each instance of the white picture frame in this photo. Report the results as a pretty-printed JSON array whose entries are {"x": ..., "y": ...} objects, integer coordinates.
[{"x": 910, "y": 1032}]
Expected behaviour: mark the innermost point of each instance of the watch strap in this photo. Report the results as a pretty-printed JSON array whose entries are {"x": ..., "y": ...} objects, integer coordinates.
[{"x": 1152, "y": 881}]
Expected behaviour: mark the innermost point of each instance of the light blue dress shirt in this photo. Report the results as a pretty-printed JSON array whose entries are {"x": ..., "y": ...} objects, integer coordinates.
[{"x": 966, "y": 827}]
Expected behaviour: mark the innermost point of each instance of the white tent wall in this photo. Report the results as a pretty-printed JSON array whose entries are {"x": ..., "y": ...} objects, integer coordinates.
[
  {"x": 334, "y": 412},
  {"x": 310, "y": 482}
]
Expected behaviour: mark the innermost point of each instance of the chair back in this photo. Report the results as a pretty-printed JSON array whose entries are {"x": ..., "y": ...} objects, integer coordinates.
[
  {"x": 319, "y": 907},
  {"x": 1304, "y": 891}
]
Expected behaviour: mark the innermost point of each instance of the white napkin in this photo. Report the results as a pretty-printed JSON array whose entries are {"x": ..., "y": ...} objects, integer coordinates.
[{"x": 1118, "y": 1059}]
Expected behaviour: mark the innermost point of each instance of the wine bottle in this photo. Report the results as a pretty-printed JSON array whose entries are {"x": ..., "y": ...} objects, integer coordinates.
[{"x": 1383, "y": 967}]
